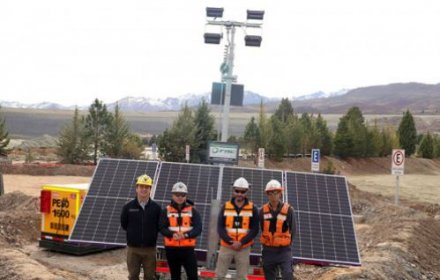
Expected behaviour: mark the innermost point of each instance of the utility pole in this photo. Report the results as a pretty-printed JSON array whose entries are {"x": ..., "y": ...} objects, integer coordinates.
[{"x": 227, "y": 66}]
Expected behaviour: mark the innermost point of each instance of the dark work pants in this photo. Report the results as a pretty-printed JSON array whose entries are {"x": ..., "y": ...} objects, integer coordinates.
[{"x": 178, "y": 257}]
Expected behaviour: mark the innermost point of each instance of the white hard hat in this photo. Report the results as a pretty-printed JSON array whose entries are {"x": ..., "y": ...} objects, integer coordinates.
[
  {"x": 179, "y": 187},
  {"x": 273, "y": 185},
  {"x": 241, "y": 183}
]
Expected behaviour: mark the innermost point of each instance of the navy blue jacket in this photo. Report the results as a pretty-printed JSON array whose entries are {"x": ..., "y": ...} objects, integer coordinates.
[{"x": 141, "y": 225}]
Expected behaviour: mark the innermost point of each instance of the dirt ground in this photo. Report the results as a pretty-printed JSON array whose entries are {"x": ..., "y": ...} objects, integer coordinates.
[{"x": 395, "y": 242}]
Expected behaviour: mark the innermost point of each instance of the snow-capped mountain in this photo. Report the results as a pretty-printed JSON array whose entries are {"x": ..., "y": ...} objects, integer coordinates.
[
  {"x": 321, "y": 94},
  {"x": 149, "y": 104}
]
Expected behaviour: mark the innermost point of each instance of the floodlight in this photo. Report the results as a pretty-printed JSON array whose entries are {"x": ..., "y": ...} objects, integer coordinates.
[
  {"x": 252, "y": 40},
  {"x": 212, "y": 38},
  {"x": 252, "y": 14},
  {"x": 214, "y": 12}
]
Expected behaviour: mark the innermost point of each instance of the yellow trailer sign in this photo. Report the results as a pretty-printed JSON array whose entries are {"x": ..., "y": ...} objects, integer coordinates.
[{"x": 60, "y": 205}]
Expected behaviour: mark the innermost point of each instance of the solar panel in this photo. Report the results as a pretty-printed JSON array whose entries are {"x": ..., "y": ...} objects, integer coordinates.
[
  {"x": 112, "y": 186},
  {"x": 202, "y": 183},
  {"x": 325, "y": 232},
  {"x": 258, "y": 179}
]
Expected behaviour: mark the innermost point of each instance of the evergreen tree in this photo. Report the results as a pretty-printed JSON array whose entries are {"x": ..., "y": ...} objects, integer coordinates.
[
  {"x": 426, "y": 148},
  {"x": 351, "y": 136},
  {"x": 407, "y": 134},
  {"x": 389, "y": 141},
  {"x": 251, "y": 135},
  {"x": 284, "y": 110},
  {"x": 436, "y": 140},
  {"x": 205, "y": 132},
  {"x": 133, "y": 147},
  {"x": 116, "y": 135},
  {"x": 375, "y": 141},
  {"x": 72, "y": 143},
  {"x": 264, "y": 127},
  {"x": 4, "y": 137},
  {"x": 172, "y": 141},
  {"x": 277, "y": 143},
  {"x": 325, "y": 136},
  {"x": 97, "y": 122},
  {"x": 294, "y": 136},
  {"x": 343, "y": 140}
]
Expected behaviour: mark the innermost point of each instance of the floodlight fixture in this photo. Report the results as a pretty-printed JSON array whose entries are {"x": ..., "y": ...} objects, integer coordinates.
[
  {"x": 252, "y": 40},
  {"x": 253, "y": 14},
  {"x": 214, "y": 12},
  {"x": 212, "y": 38}
]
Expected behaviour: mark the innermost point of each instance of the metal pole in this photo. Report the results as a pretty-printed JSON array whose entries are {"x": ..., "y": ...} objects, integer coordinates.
[
  {"x": 228, "y": 78},
  {"x": 397, "y": 190}
]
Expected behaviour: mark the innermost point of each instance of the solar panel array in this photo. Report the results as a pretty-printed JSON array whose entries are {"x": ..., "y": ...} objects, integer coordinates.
[
  {"x": 258, "y": 179},
  {"x": 202, "y": 183},
  {"x": 325, "y": 231},
  {"x": 112, "y": 186}
]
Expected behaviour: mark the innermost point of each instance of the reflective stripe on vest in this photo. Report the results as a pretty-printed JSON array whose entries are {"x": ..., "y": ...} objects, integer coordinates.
[
  {"x": 277, "y": 238},
  {"x": 237, "y": 224},
  {"x": 185, "y": 226}
]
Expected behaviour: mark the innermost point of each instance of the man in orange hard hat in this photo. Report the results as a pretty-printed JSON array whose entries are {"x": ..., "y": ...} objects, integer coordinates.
[{"x": 277, "y": 222}]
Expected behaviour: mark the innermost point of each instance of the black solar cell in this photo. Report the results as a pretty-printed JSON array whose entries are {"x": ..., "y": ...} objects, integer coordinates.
[
  {"x": 325, "y": 232},
  {"x": 112, "y": 186}
]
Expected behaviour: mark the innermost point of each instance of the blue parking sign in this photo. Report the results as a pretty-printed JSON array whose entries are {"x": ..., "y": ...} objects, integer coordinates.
[{"x": 315, "y": 156}]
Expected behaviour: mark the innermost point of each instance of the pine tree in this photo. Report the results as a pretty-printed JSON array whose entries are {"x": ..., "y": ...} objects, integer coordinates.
[
  {"x": 116, "y": 135},
  {"x": 173, "y": 140},
  {"x": 251, "y": 135},
  {"x": 407, "y": 134},
  {"x": 97, "y": 122},
  {"x": 277, "y": 143},
  {"x": 72, "y": 143},
  {"x": 326, "y": 141},
  {"x": 4, "y": 137},
  {"x": 426, "y": 148},
  {"x": 205, "y": 132},
  {"x": 284, "y": 110},
  {"x": 264, "y": 128}
]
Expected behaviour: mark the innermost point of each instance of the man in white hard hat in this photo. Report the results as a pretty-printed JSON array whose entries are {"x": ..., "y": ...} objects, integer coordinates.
[
  {"x": 237, "y": 227},
  {"x": 140, "y": 219},
  {"x": 180, "y": 224},
  {"x": 277, "y": 222}
]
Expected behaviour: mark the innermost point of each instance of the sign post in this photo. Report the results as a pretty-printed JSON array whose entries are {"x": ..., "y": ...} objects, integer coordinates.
[
  {"x": 397, "y": 168},
  {"x": 187, "y": 153},
  {"x": 261, "y": 157},
  {"x": 316, "y": 157}
]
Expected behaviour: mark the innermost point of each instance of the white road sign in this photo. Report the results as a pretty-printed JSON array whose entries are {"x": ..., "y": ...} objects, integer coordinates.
[
  {"x": 316, "y": 157},
  {"x": 398, "y": 162}
]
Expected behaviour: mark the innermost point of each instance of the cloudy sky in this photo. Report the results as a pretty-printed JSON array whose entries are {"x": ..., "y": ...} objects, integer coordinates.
[{"x": 71, "y": 52}]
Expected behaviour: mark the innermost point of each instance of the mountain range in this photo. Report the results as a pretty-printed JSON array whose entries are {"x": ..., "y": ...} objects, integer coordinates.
[
  {"x": 148, "y": 104},
  {"x": 381, "y": 99}
]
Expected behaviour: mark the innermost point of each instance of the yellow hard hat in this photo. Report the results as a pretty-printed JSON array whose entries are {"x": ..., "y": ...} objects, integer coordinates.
[{"x": 144, "y": 180}]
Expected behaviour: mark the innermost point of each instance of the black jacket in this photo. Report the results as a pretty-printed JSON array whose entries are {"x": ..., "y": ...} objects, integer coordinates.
[
  {"x": 196, "y": 221},
  {"x": 141, "y": 225}
]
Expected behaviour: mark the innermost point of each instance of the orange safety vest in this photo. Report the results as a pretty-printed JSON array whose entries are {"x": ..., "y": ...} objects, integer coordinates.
[
  {"x": 235, "y": 228},
  {"x": 277, "y": 238},
  {"x": 186, "y": 216}
]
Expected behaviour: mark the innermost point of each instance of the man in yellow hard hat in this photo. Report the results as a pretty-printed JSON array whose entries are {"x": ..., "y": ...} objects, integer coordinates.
[
  {"x": 277, "y": 222},
  {"x": 140, "y": 219}
]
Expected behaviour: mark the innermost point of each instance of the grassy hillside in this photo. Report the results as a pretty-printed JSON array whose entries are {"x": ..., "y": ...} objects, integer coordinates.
[{"x": 29, "y": 124}]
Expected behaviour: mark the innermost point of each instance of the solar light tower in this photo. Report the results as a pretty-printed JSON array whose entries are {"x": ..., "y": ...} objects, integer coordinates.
[{"x": 254, "y": 19}]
